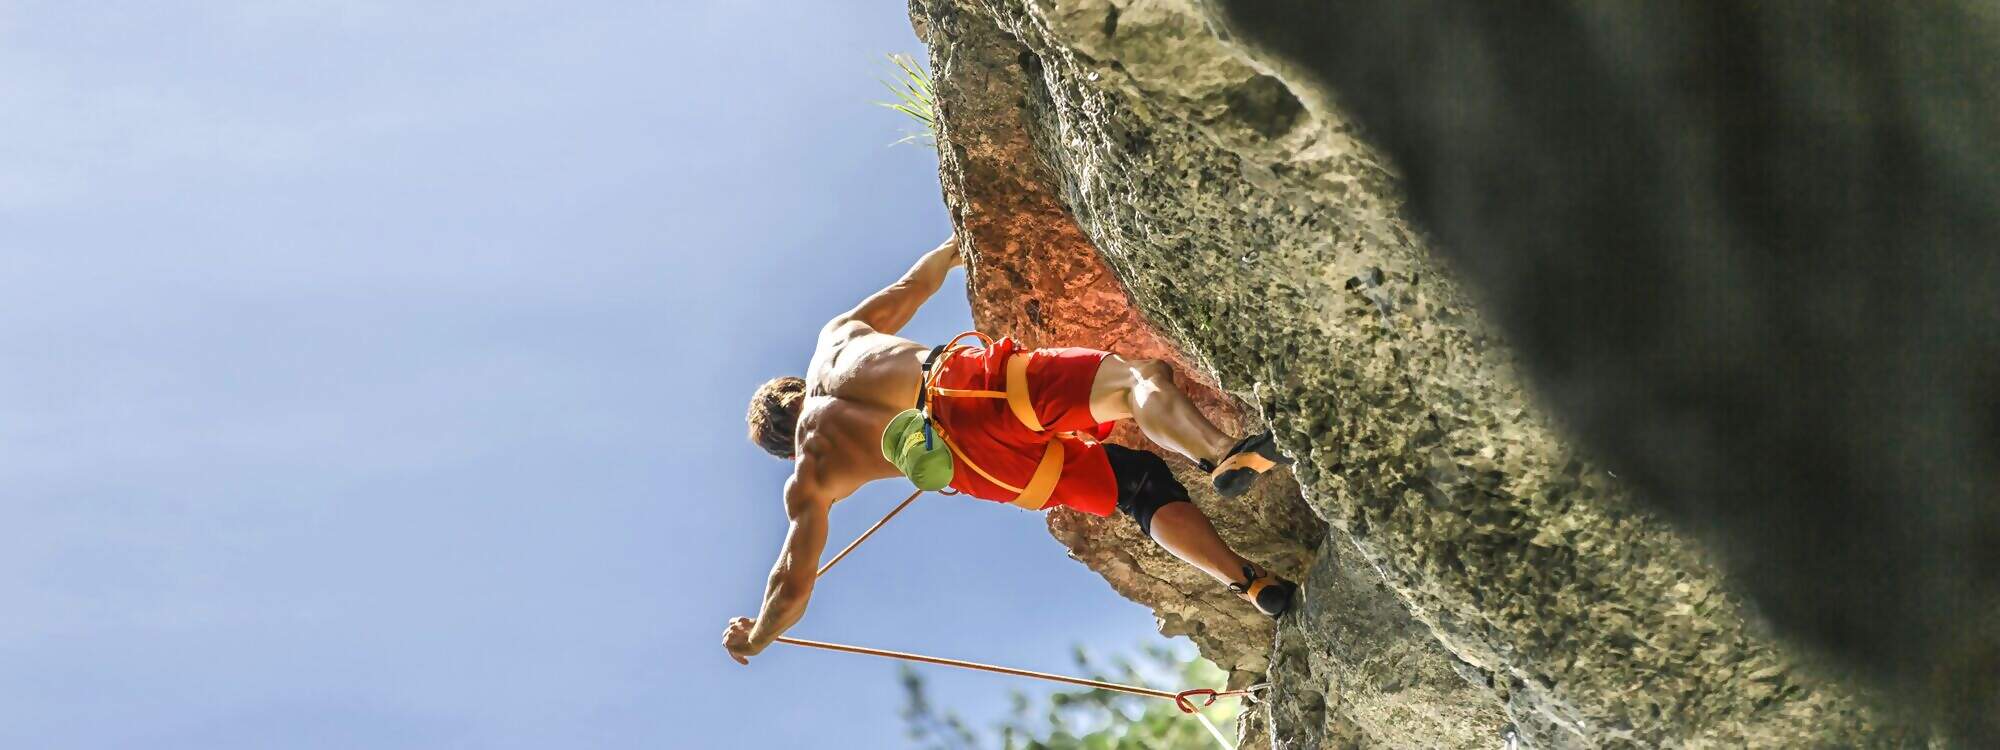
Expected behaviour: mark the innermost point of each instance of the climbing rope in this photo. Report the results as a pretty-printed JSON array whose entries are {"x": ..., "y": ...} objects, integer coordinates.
[
  {"x": 871, "y": 532},
  {"x": 1183, "y": 700},
  {"x": 1220, "y": 740}
]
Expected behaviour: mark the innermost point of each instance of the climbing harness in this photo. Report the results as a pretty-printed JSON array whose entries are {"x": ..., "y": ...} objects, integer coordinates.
[
  {"x": 1032, "y": 497},
  {"x": 1048, "y": 471}
]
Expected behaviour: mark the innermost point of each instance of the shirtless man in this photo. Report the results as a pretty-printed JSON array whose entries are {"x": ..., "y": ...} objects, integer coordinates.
[{"x": 831, "y": 425}]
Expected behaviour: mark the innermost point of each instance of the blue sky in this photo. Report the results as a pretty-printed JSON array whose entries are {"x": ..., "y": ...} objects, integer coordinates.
[{"x": 374, "y": 377}]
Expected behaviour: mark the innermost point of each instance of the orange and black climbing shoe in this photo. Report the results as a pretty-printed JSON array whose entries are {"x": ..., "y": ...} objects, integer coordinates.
[
  {"x": 1240, "y": 468},
  {"x": 1271, "y": 595}
]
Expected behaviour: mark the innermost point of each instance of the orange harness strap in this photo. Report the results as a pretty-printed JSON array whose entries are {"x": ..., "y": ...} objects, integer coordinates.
[
  {"x": 1040, "y": 486},
  {"x": 1049, "y": 470},
  {"x": 1017, "y": 393}
]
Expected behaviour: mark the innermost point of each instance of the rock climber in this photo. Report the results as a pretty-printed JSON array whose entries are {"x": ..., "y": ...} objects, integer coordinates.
[{"x": 997, "y": 422}]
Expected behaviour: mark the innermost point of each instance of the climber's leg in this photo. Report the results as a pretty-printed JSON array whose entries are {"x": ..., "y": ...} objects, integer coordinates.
[
  {"x": 1184, "y": 530},
  {"x": 1149, "y": 493},
  {"x": 1144, "y": 391}
]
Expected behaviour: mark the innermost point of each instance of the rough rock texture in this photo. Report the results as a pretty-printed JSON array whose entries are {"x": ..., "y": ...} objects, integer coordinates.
[
  {"x": 1127, "y": 179},
  {"x": 1751, "y": 253},
  {"x": 1036, "y": 277}
]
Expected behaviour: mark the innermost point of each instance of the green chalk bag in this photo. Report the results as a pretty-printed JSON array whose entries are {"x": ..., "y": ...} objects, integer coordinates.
[{"x": 917, "y": 450}]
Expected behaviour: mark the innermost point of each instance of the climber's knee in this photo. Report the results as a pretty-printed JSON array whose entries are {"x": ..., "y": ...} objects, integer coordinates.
[
  {"x": 1126, "y": 385},
  {"x": 1160, "y": 371},
  {"x": 1145, "y": 484}
]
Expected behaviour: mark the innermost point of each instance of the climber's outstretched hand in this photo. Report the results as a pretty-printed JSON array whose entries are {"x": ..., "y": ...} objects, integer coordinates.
[{"x": 736, "y": 640}]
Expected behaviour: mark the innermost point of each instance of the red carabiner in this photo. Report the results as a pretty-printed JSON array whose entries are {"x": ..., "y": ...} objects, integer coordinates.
[{"x": 1187, "y": 706}]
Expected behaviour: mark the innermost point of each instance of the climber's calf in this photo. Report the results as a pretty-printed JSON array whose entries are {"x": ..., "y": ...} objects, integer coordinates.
[{"x": 1155, "y": 499}]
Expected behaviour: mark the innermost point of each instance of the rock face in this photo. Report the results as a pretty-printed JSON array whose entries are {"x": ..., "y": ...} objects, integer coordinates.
[
  {"x": 1750, "y": 253},
  {"x": 1174, "y": 179}
]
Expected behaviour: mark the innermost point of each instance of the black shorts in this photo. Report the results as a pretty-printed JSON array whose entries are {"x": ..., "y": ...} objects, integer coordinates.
[{"x": 1145, "y": 484}]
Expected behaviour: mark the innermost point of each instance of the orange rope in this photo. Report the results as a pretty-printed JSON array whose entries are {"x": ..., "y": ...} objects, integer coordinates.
[
  {"x": 1100, "y": 685},
  {"x": 865, "y": 534},
  {"x": 1185, "y": 701},
  {"x": 1182, "y": 699}
]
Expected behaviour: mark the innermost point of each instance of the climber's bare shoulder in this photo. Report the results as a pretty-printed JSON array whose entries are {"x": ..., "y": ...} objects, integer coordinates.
[{"x": 859, "y": 378}]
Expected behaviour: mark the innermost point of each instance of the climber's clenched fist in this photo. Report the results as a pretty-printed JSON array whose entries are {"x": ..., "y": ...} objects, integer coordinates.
[{"x": 736, "y": 640}]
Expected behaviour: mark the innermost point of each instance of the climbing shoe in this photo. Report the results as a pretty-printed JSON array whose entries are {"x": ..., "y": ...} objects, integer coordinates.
[
  {"x": 1271, "y": 595},
  {"x": 1240, "y": 468}
]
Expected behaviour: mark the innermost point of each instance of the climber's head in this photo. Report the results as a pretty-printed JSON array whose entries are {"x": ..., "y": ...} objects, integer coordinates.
[{"x": 774, "y": 414}]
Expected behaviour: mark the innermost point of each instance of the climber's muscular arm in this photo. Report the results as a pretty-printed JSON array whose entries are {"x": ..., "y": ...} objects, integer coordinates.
[
  {"x": 887, "y": 311},
  {"x": 791, "y": 584}
]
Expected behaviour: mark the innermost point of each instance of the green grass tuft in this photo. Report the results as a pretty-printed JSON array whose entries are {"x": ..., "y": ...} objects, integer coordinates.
[{"x": 911, "y": 86}]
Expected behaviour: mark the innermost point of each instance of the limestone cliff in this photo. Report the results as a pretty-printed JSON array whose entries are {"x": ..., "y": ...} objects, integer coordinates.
[{"x": 1134, "y": 175}]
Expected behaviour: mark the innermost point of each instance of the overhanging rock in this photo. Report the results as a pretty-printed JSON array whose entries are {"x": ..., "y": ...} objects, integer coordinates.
[{"x": 1126, "y": 180}]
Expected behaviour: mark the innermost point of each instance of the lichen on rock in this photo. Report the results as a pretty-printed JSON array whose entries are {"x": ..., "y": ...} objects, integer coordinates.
[{"x": 1126, "y": 178}]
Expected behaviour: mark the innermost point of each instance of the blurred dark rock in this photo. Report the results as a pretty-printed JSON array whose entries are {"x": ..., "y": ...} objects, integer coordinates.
[{"x": 1750, "y": 255}]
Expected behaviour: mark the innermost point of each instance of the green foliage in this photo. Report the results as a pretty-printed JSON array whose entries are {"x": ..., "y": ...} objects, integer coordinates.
[
  {"x": 911, "y": 86},
  {"x": 1085, "y": 719}
]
